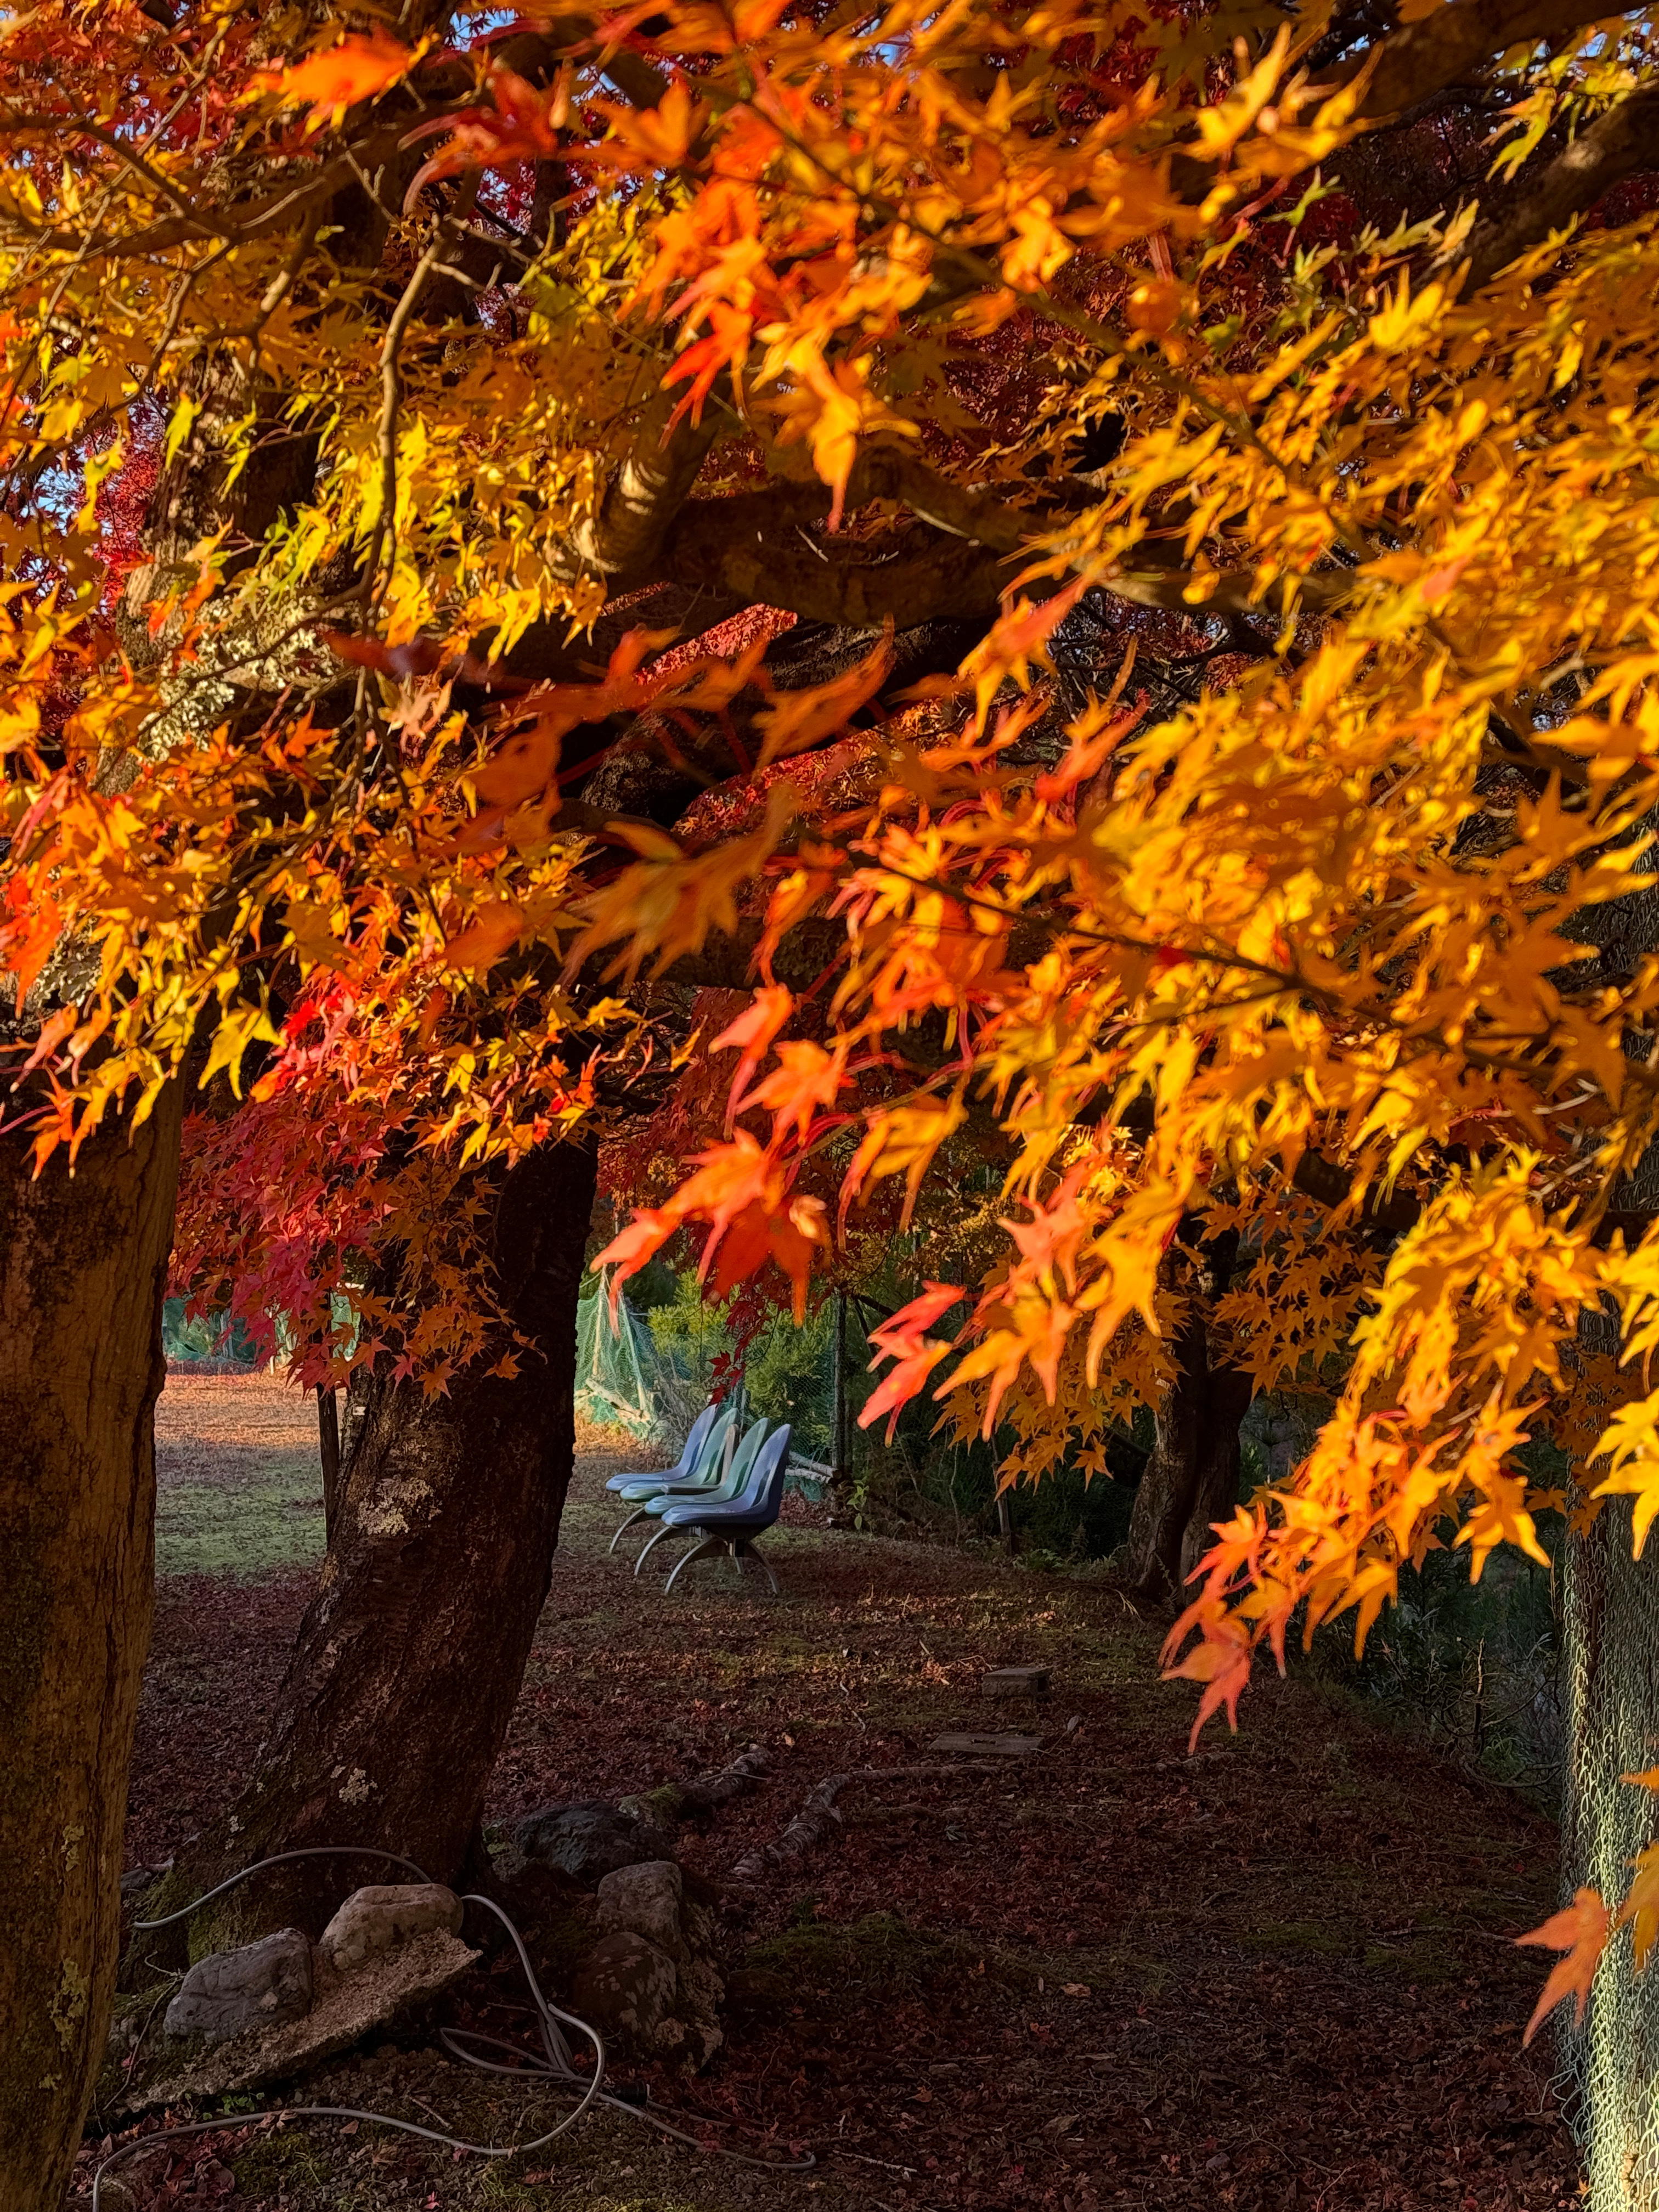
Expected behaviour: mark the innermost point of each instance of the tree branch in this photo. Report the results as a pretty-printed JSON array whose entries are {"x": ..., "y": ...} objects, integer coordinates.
[
  {"x": 647, "y": 491},
  {"x": 758, "y": 547},
  {"x": 1624, "y": 139},
  {"x": 1424, "y": 56}
]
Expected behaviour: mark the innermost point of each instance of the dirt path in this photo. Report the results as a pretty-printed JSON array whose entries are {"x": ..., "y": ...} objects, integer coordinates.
[{"x": 1277, "y": 1975}]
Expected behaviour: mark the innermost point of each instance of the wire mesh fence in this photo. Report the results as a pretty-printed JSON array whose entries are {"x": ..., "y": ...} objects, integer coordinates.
[{"x": 1610, "y": 2064}]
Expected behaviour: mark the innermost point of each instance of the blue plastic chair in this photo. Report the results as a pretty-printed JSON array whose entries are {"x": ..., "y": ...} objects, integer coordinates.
[
  {"x": 704, "y": 1473},
  {"x": 719, "y": 1450},
  {"x": 732, "y": 1526},
  {"x": 682, "y": 1471},
  {"x": 729, "y": 1487}
]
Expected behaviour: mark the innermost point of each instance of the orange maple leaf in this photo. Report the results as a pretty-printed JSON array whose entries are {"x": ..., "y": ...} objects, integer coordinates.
[
  {"x": 29, "y": 936},
  {"x": 1640, "y": 1910},
  {"x": 806, "y": 1077},
  {"x": 751, "y": 1035},
  {"x": 1220, "y": 1660},
  {"x": 1581, "y": 1929},
  {"x": 902, "y": 1337},
  {"x": 650, "y": 139},
  {"x": 523, "y": 124},
  {"x": 359, "y": 67},
  {"x": 492, "y": 930},
  {"x": 630, "y": 1248}
]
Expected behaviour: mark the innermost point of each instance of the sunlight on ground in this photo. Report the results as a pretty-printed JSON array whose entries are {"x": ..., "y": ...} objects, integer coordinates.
[{"x": 240, "y": 1489}]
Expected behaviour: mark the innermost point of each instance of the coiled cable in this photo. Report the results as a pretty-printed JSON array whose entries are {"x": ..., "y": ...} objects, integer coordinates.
[{"x": 556, "y": 2063}]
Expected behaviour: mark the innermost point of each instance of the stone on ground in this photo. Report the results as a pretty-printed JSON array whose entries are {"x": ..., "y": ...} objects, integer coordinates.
[
  {"x": 1016, "y": 1683},
  {"x": 346, "y": 2008},
  {"x": 590, "y": 1839},
  {"x": 651, "y": 1984},
  {"x": 999, "y": 1743},
  {"x": 274, "y": 2009},
  {"x": 384, "y": 1915},
  {"x": 261, "y": 1986}
]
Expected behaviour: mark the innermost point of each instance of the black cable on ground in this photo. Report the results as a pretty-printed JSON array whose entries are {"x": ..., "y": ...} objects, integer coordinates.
[{"x": 555, "y": 2063}]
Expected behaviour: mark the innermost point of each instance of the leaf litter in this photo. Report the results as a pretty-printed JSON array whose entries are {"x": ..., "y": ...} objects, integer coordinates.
[{"x": 1276, "y": 1975}]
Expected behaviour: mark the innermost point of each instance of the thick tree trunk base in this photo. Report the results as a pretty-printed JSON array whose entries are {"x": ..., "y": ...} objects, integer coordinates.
[
  {"x": 409, "y": 1658},
  {"x": 82, "y": 1276}
]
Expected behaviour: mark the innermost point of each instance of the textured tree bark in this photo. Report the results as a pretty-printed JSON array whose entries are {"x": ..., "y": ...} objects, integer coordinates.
[
  {"x": 1227, "y": 1395},
  {"x": 83, "y": 1266},
  {"x": 328, "y": 1453},
  {"x": 410, "y": 1656},
  {"x": 1192, "y": 1477}
]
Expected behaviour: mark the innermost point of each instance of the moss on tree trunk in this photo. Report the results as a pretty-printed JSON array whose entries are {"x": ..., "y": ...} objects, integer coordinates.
[{"x": 82, "y": 1277}]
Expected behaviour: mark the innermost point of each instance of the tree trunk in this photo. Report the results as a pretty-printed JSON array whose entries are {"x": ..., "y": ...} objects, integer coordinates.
[
  {"x": 328, "y": 1451},
  {"x": 1191, "y": 1479},
  {"x": 83, "y": 1264},
  {"x": 410, "y": 1656}
]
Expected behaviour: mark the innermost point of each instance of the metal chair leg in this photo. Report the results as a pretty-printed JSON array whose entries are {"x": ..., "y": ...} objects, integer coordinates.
[
  {"x": 638, "y": 1514},
  {"x": 708, "y": 1546},
  {"x": 662, "y": 1530},
  {"x": 748, "y": 1551}
]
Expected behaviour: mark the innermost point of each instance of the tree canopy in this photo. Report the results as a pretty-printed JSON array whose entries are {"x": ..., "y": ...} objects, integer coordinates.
[{"x": 1127, "y": 614}]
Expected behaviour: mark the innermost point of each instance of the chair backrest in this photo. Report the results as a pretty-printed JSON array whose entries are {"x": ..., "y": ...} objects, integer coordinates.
[
  {"x": 694, "y": 1443},
  {"x": 741, "y": 1470},
  {"x": 762, "y": 1495},
  {"x": 713, "y": 1452}
]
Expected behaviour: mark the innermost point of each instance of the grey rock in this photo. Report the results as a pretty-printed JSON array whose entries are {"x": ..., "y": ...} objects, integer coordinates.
[
  {"x": 1016, "y": 1683},
  {"x": 231, "y": 1992},
  {"x": 998, "y": 1743},
  {"x": 347, "y": 2010},
  {"x": 647, "y": 1900},
  {"x": 379, "y": 1918},
  {"x": 650, "y": 1903},
  {"x": 589, "y": 1839},
  {"x": 627, "y": 1987}
]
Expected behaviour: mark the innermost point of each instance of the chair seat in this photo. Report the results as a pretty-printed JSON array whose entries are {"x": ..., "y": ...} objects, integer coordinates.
[
  {"x": 719, "y": 1521},
  {"x": 675, "y": 1493},
  {"x": 620, "y": 1482}
]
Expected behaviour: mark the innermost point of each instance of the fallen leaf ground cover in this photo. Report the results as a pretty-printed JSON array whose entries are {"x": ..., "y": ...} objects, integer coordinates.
[{"x": 1279, "y": 1974}]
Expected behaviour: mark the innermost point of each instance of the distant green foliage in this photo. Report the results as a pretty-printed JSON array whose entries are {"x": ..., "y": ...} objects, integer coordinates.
[
  {"x": 786, "y": 1371},
  {"x": 1475, "y": 1667}
]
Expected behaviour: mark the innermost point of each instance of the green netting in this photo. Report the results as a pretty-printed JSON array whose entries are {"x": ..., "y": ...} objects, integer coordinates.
[
  {"x": 610, "y": 1376},
  {"x": 209, "y": 1340}
]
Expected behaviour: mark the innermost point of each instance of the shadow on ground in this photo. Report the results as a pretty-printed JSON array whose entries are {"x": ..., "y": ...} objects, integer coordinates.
[{"x": 1279, "y": 1974}]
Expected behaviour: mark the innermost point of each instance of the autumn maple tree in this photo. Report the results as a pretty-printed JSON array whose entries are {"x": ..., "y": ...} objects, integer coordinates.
[{"x": 1118, "y": 614}]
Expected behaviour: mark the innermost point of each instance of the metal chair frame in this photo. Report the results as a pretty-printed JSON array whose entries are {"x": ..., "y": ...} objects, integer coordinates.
[
  {"x": 738, "y": 1550},
  {"x": 740, "y": 1460},
  {"x": 716, "y": 1443}
]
